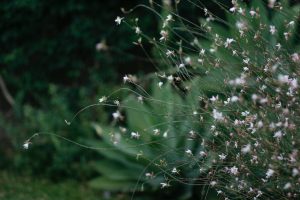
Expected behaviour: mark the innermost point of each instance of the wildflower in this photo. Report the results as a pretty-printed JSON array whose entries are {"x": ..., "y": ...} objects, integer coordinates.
[
  {"x": 217, "y": 115},
  {"x": 164, "y": 35},
  {"x": 291, "y": 24},
  {"x": 135, "y": 135},
  {"x": 213, "y": 183},
  {"x": 296, "y": 57},
  {"x": 287, "y": 186},
  {"x": 214, "y": 98},
  {"x": 181, "y": 65},
  {"x": 160, "y": 84},
  {"x": 170, "y": 78},
  {"x": 170, "y": 53},
  {"x": 156, "y": 131},
  {"x": 117, "y": 115},
  {"x": 272, "y": 29},
  {"x": 222, "y": 156},
  {"x": 271, "y": 3},
  {"x": 26, "y": 144},
  {"x": 295, "y": 172},
  {"x": 252, "y": 13},
  {"x": 101, "y": 46},
  {"x": 118, "y": 20},
  {"x": 269, "y": 173},
  {"x": 163, "y": 185},
  {"x": 278, "y": 134},
  {"x": 102, "y": 99},
  {"x": 234, "y": 170},
  {"x": 138, "y": 30},
  {"x": 202, "y": 153},
  {"x": 246, "y": 149},
  {"x": 228, "y": 42},
  {"x": 202, "y": 52},
  {"x": 169, "y": 18},
  {"x": 175, "y": 171},
  {"x": 140, "y": 99},
  {"x": 189, "y": 152},
  {"x": 233, "y": 9}
]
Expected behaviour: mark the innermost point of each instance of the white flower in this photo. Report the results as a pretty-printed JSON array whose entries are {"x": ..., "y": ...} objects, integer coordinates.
[
  {"x": 213, "y": 183},
  {"x": 234, "y": 170},
  {"x": 102, "y": 99},
  {"x": 181, "y": 65},
  {"x": 156, "y": 131},
  {"x": 163, "y": 185},
  {"x": 252, "y": 13},
  {"x": 222, "y": 156},
  {"x": 170, "y": 53},
  {"x": 287, "y": 186},
  {"x": 117, "y": 115},
  {"x": 271, "y": 3},
  {"x": 234, "y": 99},
  {"x": 101, "y": 46},
  {"x": 138, "y": 30},
  {"x": 169, "y": 18},
  {"x": 291, "y": 23},
  {"x": 246, "y": 149},
  {"x": 272, "y": 29},
  {"x": 135, "y": 135},
  {"x": 233, "y": 9},
  {"x": 170, "y": 78},
  {"x": 202, "y": 153},
  {"x": 26, "y": 144},
  {"x": 118, "y": 20},
  {"x": 202, "y": 52},
  {"x": 278, "y": 134},
  {"x": 245, "y": 113},
  {"x": 217, "y": 115},
  {"x": 295, "y": 172},
  {"x": 164, "y": 35},
  {"x": 228, "y": 42},
  {"x": 189, "y": 152},
  {"x": 174, "y": 170},
  {"x": 160, "y": 84},
  {"x": 296, "y": 57},
  {"x": 269, "y": 173},
  {"x": 214, "y": 98}
]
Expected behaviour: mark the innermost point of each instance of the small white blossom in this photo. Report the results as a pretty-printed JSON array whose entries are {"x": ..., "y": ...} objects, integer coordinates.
[
  {"x": 278, "y": 134},
  {"x": 189, "y": 152},
  {"x": 163, "y": 185},
  {"x": 175, "y": 171},
  {"x": 217, "y": 115},
  {"x": 272, "y": 29},
  {"x": 26, "y": 145},
  {"x": 234, "y": 170},
  {"x": 270, "y": 173},
  {"x": 118, "y": 20},
  {"x": 160, "y": 84},
  {"x": 252, "y": 13},
  {"x": 102, "y": 99},
  {"x": 138, "y": 30},
  {"x": 164, "y": 35},
  {"x": 287, "y": 186},
  {"x": 228, "y": 42},
  {"x": 222, "y": 156},
  {"x": 271, "y": 3},
  {"x": 135, "y": 135},
  {"x": 246, "y": 149}
]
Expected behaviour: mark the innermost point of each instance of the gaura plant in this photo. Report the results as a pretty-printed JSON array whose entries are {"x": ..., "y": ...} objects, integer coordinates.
[{"x": 221, "y": 114}]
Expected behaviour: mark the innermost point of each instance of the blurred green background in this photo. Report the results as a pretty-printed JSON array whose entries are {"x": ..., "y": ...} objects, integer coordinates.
[{"x": 50, "y": 68}]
